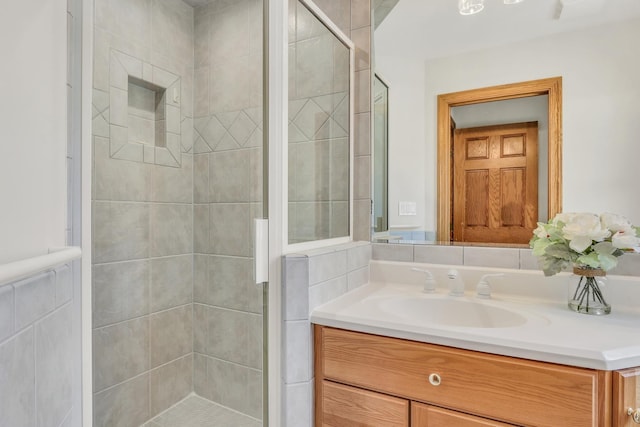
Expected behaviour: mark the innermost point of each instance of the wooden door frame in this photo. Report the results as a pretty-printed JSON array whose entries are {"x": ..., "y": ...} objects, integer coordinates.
[{"x": 551, "y": 87}]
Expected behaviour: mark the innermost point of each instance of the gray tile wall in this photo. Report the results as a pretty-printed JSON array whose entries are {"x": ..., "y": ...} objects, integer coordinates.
[
  {"x": 309, "y": 280},
  {"x": 142, "y": 214},
  {"x": 505, "y": 257},
  {"x": 37, "y": 375},
  {"x": 227, "y": 196}
]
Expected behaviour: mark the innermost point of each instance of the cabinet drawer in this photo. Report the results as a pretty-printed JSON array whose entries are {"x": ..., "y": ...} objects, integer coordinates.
[
  {"x": 429, "y": 416},
  {"x": 344, "y": 406},
  {"x": 503, "y": 388}
]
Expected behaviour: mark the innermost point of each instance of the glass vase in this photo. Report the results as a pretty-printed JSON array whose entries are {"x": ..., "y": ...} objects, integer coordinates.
[{"x": 588, "y": 293}]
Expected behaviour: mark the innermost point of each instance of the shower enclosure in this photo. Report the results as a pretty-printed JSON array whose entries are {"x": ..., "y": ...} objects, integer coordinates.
[
  {"x": 179, "y": 177},
  {"x": 178, "y": 152}
]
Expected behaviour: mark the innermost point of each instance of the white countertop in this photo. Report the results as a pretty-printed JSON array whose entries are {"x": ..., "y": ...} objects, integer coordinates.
[{"x": 552, "y": 332}]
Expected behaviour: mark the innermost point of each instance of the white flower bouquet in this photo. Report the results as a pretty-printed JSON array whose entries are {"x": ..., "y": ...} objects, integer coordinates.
[{"x": 585, "y": 239}]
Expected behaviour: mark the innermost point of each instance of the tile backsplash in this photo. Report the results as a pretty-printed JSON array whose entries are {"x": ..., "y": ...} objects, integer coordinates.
[{"x": 517, "y": 258}]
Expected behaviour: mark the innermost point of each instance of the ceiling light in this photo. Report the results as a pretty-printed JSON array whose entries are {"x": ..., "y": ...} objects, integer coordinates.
[
  {"x": 512, "y": 1},
  {"x": 469, "y": 7}
]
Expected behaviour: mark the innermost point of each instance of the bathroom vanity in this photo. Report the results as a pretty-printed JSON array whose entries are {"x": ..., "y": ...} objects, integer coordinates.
[{"x": 380, "y": 364}]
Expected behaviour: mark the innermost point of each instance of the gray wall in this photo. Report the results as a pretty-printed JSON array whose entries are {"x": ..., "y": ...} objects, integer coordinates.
[
  {"x": 37, "y": 374},
  {"x": 142, "y": 215}
]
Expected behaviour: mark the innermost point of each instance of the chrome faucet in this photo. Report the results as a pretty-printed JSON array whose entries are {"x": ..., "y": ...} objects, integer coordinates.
[
  {"x": 456, "y": 284},
  {"x": 483, "y": 289}
]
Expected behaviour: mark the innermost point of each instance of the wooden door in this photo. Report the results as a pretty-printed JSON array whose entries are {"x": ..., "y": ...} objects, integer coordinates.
[
  {"x": 430, "y": 416},
  {"x": 626, "y": 395},
  {"x": 345, "y": 406},
  {"x": 495, "y": 192}
]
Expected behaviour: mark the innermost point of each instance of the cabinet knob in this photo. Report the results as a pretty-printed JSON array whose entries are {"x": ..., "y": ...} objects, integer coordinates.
[
  {"x": 634, "y": 414},
  {"x": 435, "y": 379}
]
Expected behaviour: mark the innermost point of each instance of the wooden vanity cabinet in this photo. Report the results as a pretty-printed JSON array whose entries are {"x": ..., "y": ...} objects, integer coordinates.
[
  {"x": 445, "y": 386},
  {"x": 626, "y": 395}
]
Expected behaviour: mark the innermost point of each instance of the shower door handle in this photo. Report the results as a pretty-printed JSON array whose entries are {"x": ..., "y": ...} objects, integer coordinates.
[{"x": 261, "y": 250}]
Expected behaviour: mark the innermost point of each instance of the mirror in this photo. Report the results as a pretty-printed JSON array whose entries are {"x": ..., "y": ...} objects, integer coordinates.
[
  {"x": 380, "y": 155},
  {"x": 505, "y": 44},
  {"x": 320, "y": 104},
  {"x": 489, "y": 178}
]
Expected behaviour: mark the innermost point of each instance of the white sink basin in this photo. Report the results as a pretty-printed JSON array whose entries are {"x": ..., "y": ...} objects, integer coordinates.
[{"x": 451, "y": 312}]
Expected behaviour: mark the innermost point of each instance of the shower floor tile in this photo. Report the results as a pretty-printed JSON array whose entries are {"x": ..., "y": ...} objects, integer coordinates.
[{"x": 195, "y": 411}]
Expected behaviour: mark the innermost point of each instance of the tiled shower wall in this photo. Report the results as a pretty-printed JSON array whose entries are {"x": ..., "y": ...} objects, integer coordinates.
[
  {"x": 227, "y": 196},
  {"x": 142, "y": 213},
  {"x": 37, "y": 350}
]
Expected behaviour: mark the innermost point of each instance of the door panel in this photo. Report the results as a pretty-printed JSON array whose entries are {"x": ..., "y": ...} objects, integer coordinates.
[
  {"x": 495, "y": 194},
  {"x": 429, "y": 416}
]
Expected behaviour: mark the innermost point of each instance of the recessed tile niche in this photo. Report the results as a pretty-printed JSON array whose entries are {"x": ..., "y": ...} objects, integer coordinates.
[{"x": 144, "y": 114}]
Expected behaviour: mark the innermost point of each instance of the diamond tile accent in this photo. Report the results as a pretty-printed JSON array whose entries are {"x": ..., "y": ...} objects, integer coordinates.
[
  {"x": 295, "y": 106},
  {"x": 295, "y": 134},
  {"x": 242, "y": 128},
  {"x": 211, "y": 130},
  {"x": 255, "y": 114},
  {"x": 227, "y": 143},
  {"x": 310, "y": 119},
  {"x": 227, "y": 118}
]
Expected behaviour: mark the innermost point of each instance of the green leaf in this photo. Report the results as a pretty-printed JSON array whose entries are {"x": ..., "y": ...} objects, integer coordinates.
[
  {"x": 607, "y": 262},
  {"x": 604, "y": 248},
  {"x": 557, "y": 250},
  {"x": 551, "y": 266},
  {"x": 591, "y": 260}
]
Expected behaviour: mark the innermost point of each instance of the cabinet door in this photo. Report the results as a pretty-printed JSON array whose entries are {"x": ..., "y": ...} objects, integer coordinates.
[
  {"x": 626, "y": 394},
  {"x": 344, "y": 406},
  {"x": 430, "y": 416}
]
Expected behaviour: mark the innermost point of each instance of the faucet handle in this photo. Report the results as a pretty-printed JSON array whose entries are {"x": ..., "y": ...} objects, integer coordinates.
[
  {"x": 429, "y": 281},
  {"x": 483, "y": 289},
  {"x": 456, "y": 284}
]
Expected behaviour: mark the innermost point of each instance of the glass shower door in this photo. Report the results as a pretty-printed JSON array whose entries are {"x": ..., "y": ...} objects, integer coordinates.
[{"x": 228, "y": 196}]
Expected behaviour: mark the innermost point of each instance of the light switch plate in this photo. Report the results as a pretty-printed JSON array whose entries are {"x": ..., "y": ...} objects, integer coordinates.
[{"x": 406, "y": 208}]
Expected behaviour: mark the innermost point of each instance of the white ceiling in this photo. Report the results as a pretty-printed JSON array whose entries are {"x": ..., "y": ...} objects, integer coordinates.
[{"x": 435, "y": 28}]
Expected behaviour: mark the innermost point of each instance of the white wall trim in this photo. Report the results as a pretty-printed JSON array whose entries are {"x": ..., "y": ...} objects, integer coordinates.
[{"x": 14, "y": 271}]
